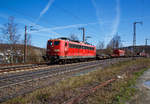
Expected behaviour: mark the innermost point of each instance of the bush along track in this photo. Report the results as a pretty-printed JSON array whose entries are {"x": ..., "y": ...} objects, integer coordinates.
[{"x": 111, "y": 85}]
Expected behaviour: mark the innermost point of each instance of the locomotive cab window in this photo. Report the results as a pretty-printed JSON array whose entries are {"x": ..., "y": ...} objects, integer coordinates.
[
  {"x": 65, "y": 44},
  {"x": 50, "y": 43},
  {"x": 56, "y": 42}
]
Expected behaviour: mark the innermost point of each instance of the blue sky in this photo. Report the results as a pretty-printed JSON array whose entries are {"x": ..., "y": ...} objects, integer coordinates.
[{"x": 102, "y": 19}]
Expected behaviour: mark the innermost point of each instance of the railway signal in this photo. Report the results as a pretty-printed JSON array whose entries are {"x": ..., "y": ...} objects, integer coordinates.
[{"x": 25, "y": 44}]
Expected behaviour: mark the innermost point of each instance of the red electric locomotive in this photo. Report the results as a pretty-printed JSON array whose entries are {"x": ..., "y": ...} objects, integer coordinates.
[{"x": 63, "y": 49}]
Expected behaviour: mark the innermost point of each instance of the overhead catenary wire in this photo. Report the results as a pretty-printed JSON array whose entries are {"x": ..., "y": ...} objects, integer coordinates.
[{"x": 45, "y": 21}]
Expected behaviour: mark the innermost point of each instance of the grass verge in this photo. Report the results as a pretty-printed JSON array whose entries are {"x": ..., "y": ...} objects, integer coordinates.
[{"x": 127, "y": 89}]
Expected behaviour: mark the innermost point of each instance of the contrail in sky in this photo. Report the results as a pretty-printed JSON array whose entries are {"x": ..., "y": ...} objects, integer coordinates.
[
  {"x": 115, "y": 23},
  {"x": 71, "y": 26},
  {"x": 45, "y": 9},
  {"x": 63, "y": 27},
  {"x": 97, "y": 11},
  {"x": 117, "y": 19}
]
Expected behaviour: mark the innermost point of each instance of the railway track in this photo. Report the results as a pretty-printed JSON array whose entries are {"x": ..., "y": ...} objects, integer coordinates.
[
  {"x": 39, "y": 73},
  {"x": 13, "y": 85},
  {"x": 15, "y": 68},
  {"x": 25, "y": 67}
]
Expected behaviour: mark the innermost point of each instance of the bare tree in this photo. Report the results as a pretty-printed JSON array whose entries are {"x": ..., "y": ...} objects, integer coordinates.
[
  {"x": 73, "y": 37},
  {"x": 100, "y": 45},
  {"x": 10, "y": 36},
  {"x": 115, "y": 42},
  {"x": 9, "y": 31}
]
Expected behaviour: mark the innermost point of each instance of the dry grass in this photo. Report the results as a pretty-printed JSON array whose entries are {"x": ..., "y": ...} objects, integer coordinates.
[{"x": 73, "y": 86}]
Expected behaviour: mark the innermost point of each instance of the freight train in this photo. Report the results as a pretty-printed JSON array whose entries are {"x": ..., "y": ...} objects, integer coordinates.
[{"x": 63, "y": 49}]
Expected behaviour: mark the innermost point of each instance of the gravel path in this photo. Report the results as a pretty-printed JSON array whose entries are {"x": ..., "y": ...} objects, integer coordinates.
[{"x": 143, "y": 85}]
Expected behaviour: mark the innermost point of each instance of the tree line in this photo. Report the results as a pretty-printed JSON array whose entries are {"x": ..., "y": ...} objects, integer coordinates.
[{"x": 10, "y": 36}]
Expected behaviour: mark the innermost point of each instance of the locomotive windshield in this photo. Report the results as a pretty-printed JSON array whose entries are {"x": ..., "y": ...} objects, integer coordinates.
[
  {"x": 50, "y": 43},
  {"x": 56, "y": 42}
]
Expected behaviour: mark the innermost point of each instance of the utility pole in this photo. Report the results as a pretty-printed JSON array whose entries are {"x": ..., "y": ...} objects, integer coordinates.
[
  {"x": 25, "y": 41},
  {"x": 25, "y": 44},
  {"x": 146, "y": 44},
  {"x": 146, "y": 41},
  {"x": 11, "y": 48},
  {"x": 83, "y": 29},
  {"x": 134, "y": 35}
]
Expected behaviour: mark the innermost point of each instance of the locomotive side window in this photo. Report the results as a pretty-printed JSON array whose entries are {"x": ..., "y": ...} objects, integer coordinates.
[
  {"x": 85, "y": 47},
  {"x": 50, "y": 43},
  {"x": 70, "y": 45},
  {"x": 79, "y": 46},
  {"x": 73, "y": 45},
  {"x": 56, "y": 42}
]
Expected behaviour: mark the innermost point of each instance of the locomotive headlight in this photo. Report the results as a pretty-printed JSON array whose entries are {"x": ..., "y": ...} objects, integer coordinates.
[{"x": 56, "y": 50}]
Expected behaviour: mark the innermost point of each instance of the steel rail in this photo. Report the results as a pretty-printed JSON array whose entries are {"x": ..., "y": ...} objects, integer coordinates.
[
  {"x": 18, "y": 68},
  {"x": 43, "y": 70},
  {"x": 44, "y": 73},
  {"x": 51, "y": 75}
]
